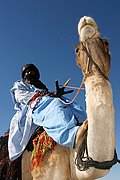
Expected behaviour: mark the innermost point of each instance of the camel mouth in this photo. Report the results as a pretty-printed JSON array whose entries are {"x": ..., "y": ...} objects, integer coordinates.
[
  {"x": 87, "y": 28},
  {"x": 86, "y": 20},
  {"x": 85, "y": 25}
]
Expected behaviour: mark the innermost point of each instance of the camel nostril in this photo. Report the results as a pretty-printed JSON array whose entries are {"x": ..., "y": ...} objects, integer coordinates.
[{"x": 85, "y": 20}]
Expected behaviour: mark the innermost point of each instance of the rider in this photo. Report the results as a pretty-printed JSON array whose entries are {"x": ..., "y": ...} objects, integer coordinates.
[{"x": 35, "y": 107}]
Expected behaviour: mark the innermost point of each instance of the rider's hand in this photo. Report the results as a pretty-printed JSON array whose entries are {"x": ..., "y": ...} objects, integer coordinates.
[{"x": 60, "y": 91}]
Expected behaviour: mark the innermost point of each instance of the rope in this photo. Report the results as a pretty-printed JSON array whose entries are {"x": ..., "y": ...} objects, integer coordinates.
[
  {"x": 80, "y": 158},
  {"x": 91, "y": 59},
  {"x": 85, "y": 162},
  {"x": 73, "y": 87},
  {"x": 79, "y": 89}
]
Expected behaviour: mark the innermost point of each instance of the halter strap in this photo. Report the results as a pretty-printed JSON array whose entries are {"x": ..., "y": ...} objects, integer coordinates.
[{"x": 90, "y": 59}]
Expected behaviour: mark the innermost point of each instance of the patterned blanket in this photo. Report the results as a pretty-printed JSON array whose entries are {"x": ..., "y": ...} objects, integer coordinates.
[
  {"x": 9, "y": 170},
  {"x": 42, "y": 144}
]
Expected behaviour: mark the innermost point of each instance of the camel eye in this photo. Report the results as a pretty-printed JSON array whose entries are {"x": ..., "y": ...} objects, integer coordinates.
[{"x": 77, "y": 50}]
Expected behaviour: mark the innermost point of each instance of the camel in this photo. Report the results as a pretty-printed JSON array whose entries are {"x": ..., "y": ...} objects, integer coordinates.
[{"x": 93, "y": 58}]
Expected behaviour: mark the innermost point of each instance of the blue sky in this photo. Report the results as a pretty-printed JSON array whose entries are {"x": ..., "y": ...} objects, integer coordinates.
[{"x": 44, "y": 32}]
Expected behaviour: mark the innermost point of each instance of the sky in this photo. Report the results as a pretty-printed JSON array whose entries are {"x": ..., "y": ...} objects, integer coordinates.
[{"x": 44, "y": 32}]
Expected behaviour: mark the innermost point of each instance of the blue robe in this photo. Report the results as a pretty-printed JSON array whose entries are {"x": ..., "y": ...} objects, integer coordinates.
[{"x": 59, "y": 120}]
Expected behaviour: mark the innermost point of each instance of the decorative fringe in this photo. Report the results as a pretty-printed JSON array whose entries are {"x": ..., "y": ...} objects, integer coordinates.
[{"x": 42, "y": 144}]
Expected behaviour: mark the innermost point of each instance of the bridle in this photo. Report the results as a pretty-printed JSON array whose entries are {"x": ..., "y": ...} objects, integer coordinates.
[{"x": 90, "y": 60}]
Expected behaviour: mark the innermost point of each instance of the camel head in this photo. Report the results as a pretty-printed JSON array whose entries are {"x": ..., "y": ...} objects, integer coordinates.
[
  {"x": 87, "y": 28},
  {"x": 92, "y": 53}
]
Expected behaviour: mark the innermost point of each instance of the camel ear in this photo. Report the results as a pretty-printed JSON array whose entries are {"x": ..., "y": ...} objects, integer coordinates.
[
  {"x": 79, "y": 60},
  {"x": 81, "y": 57},
  {"x": 106, "y": 47},
  {"x": 77, "y": 52},
  {"x": 107, "y": 56}
]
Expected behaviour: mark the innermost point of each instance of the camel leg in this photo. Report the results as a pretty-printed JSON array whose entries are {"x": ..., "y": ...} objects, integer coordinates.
[
  {"x": 26, "y": 174},
  {"x": 80, "y": 133}
]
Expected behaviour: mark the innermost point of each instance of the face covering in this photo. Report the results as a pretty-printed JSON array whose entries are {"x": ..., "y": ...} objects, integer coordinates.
[{"x": 31, "y": 77}]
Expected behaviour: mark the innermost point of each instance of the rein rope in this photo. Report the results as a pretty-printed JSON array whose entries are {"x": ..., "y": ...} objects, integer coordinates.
[
  {"x": 84, "y": 162},
  {"x": 90, "y": 59},
  {"x": 79, "y": 89}
]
